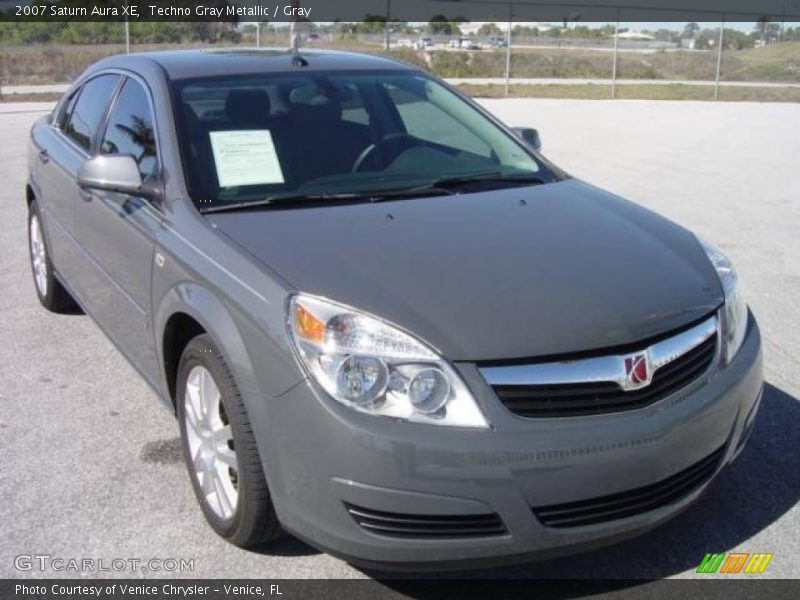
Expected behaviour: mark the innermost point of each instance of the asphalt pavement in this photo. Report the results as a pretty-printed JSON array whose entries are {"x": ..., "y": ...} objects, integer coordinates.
[{"x": 91, "y": 465}]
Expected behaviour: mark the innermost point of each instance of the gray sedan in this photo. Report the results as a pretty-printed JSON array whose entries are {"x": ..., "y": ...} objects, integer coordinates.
[{"x": 385, "y": 322}]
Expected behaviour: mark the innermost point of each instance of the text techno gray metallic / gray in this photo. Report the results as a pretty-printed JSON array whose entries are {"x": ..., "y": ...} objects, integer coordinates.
[{"x": 386, "y": 323}]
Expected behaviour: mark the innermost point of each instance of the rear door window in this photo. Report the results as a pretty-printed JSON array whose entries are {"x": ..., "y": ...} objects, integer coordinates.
[
  {"x": 353, "y": 108},
  {"x": 66, "y": 113},
  {"x": 90, "y": 109}
]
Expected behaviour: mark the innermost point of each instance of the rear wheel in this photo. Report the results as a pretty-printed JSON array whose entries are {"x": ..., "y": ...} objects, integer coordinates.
[
  {"x": 53, "y": 296},
  {"x": 220, "y": 449}
]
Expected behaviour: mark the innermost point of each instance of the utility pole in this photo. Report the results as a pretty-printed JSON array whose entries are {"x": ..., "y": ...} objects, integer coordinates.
[
  {"x": 127, "y": 37},
  {"x": 719, "y": 56},
  {"x": 387, "y": 41},
  {"x": 508, "y": 48},
  {"x": 783, "y": 22},
  {"x": 614, "y": 63}
]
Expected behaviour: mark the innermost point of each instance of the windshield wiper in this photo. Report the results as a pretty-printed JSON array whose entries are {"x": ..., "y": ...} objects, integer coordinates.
[
  {"x": 438, "y": 187},
  {"x": 490, "y": 176},
  {"x": 325, "y": 199}
]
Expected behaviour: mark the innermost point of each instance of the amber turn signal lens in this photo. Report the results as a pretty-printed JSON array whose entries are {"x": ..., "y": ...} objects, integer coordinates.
[{"x": 307, "y": 326}]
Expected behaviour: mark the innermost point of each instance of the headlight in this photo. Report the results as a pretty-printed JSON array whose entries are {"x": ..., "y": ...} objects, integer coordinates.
[
  {"x": 373, "y": 367},
  {"x": 734, "y": 313}
]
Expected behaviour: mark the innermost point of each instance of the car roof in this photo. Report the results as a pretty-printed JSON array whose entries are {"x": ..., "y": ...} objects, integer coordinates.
[{"x": 189, "y": 64}]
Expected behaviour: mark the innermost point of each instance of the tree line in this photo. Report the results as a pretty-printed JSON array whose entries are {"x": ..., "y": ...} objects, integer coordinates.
[{"x": 151, "y": 32}]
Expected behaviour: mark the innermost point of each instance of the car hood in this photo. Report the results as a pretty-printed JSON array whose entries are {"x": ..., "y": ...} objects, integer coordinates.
[{"x": 514, "y": 273}]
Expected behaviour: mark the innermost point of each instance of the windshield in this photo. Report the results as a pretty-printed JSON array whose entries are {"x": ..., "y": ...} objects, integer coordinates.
[{"x": 252, "y": 138}]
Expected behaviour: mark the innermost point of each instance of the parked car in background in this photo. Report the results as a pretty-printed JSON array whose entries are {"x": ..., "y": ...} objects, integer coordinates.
[
  {"x": 464, "y": 43},
  {"x": 385, "y": 322},
  {"x": 469, "y": 44}
]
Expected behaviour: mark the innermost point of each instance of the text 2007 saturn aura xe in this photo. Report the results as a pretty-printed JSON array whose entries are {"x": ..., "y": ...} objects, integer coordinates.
[{"x": 385, "y": 322}]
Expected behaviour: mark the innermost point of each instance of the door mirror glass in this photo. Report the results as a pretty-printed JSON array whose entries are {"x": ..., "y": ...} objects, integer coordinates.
[
  {"x": 529, "y": 135},
  {"x": 114, "y": 173}
]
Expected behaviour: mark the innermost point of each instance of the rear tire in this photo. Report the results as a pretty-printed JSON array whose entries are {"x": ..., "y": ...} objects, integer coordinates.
[
  {"x": 52, "y": 295},
  {"x": 220, "y": 448}
]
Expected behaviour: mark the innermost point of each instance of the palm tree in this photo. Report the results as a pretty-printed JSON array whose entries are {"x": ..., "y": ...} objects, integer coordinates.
[{"x": 141, "y": 135}]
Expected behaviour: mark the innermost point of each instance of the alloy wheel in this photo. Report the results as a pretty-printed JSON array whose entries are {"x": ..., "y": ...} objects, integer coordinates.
[
  {"x": 38, "y": 256},
  {"x": 210, "y": 440}
]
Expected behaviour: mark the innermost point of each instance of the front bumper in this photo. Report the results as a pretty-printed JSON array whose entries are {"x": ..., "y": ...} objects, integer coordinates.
[{"x": 321, "y": 456}]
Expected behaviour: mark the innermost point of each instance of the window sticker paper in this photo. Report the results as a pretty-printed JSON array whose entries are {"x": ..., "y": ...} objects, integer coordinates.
[{"x": 245, "y": 157}]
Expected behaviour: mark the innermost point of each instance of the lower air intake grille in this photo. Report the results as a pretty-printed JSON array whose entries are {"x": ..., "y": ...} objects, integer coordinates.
[
  {"x": 426, "y": 526},
  {"x": 631, "y": 502}
]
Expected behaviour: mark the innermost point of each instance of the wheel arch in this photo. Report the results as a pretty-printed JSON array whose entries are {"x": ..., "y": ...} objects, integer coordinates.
[
  {"x": 179, "y": 330},
  {"x": 188, "y": 310}
]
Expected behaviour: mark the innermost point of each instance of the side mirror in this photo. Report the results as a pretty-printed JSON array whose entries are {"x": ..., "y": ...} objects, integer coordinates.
[
  {"x": 528, "y": 135},
  {"x": 114, "y": 173}
]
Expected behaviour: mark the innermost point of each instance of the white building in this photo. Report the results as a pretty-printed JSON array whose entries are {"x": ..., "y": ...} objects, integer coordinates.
[
  {"x": 473, "y": 27},
  {"x": 635, "y": 35}
]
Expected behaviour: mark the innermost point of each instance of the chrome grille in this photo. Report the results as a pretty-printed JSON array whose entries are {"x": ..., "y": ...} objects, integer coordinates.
[{"x": 600, "y": 384}]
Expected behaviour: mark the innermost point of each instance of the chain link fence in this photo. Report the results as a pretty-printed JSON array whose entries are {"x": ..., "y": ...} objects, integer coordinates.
[
  {"x": 55, "y": 53},
  {"x": 47, "y": 53}
]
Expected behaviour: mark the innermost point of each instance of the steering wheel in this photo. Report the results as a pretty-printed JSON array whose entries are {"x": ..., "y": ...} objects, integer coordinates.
[{"x": 390, "y": 145}]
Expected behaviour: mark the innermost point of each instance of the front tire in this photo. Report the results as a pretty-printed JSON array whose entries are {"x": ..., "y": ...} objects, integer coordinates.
[
  {"x": 220, "y": 448},
  {"x": 52, "y": 295}
]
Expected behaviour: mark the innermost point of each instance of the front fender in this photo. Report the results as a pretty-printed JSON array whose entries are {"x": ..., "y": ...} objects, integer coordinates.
[
  {"x": 240, "y": 342},
  {"x": 205, "y": 307},
  {"x": 239, "y": 302}
]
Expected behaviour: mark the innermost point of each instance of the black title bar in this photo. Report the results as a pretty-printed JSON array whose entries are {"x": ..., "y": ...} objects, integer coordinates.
[
  {"x": 393, "y": 589},
  {"x": 572, "y": 11}
]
